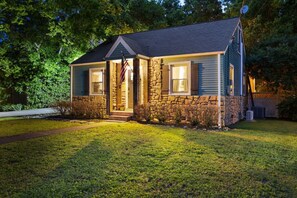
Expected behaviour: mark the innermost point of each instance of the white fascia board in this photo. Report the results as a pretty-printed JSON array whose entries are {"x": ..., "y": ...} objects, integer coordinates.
[{"x": 118, "y": 41}]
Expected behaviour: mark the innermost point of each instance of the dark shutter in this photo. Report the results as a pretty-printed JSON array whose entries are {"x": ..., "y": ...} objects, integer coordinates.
[
  {"x": 165, "y": 79},
  {"x": 194, "y": 78},
  {"x": 86, "y": 88},
  {"x": 105, "y": 77}
]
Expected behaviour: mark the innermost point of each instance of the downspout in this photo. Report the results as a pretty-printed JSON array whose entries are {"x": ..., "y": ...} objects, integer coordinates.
[
  {"x": 71, "y": 82},
  {"x": 219, "y": 92},
  {"x": 241, "y": 67}
]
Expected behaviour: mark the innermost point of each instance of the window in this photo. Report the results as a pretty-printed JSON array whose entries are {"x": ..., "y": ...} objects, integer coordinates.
[
  {"x": 96, "y": 81},
  {"x": 180, "y": 78},
  {"x": 231, "y": 80}
]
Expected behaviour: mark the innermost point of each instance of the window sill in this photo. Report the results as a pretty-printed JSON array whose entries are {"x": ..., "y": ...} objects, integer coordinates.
[
  {"x": 179, "y": 94},
  {"x": 96, "y": 94}
]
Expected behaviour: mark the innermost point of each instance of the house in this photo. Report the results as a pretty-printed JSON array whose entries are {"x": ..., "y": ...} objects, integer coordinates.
[{"x": 200, "y": 64}]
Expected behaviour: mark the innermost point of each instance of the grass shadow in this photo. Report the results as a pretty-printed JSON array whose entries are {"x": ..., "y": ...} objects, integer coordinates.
[
  {"x": 82, "y": 175},
  {"x": 272, "y": 166}
]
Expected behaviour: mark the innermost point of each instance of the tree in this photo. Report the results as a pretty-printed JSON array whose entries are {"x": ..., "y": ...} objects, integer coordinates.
[
  {"x": 202, "y": 10},
  {"x": 275, "y": 61},
  {"x": 174, "y": 14}
]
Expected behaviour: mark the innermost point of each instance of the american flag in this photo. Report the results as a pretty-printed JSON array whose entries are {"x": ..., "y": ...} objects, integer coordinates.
[{"x": 123, "y": 68}]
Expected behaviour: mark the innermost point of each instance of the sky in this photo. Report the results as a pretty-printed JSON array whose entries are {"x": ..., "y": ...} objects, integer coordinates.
[{"x": 182, "y": 2}]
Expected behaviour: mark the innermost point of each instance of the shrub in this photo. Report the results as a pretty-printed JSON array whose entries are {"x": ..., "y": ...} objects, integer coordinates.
[
  {"x": 87, "y": 109},
  {"x": 63, "y": 107},
  {"x": 287, "y": 109},
  {"x": 143, "y": 112},
  {"x": 209, "y": 116},
  {"x": 161, "y": 114},
  {"x": 177, "y": 115},
  {"x": 193, "y": 115},
  {"x": 12, "y": 107}
]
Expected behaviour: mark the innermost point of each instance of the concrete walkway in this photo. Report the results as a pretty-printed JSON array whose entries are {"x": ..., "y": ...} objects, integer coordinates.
[
  {"x": 26, "y": 136},
  {"x": 27, "y": 112}
]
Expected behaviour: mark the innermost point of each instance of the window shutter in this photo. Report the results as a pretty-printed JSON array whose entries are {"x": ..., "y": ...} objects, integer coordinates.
[
  {"x": 165, "y": 79},
  {"x": 105, "y": 81},
  {"x": 86, "y": 79},
  {"x": 194, "y": 78}
]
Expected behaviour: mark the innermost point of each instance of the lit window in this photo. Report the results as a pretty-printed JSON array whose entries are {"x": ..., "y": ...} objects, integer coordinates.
[
  {"x": 179, "y": 78},
  {"x": 231, "y": 80},
  {"x": 96, "y": 81}
]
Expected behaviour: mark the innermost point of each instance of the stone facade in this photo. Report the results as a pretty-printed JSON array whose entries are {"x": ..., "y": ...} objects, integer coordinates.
[{"x": 232, "y": 107}]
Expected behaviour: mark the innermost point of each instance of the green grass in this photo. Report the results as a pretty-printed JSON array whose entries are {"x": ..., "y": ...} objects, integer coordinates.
[
  {"x": 132, "y": 160},
  {"x": 15, "y": 126}
]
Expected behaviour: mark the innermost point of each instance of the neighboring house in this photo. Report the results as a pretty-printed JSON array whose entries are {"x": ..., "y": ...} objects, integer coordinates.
[
  {"x": 265, "y": 100},
  {"x": 200, "y": 64}
]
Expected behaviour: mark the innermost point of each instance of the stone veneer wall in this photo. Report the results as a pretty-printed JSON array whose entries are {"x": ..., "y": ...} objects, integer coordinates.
[
  {"x": 234, "y": 109},
  {"x": 99, "y": 98},
  {"x": 156, "y": 98}
]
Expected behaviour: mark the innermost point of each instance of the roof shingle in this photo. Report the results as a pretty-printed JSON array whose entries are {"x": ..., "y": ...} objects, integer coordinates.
[{"x": 188, "y": 39}]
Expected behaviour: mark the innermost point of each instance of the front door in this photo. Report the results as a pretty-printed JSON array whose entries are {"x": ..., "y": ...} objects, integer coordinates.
[{"x": 129, "y": 95}]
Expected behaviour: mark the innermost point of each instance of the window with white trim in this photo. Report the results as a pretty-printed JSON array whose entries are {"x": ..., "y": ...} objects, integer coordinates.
[
  {"x": 231, "y": 80},
  {"x": 180, "y": 78},
  {"x": 96, "y": 81}
]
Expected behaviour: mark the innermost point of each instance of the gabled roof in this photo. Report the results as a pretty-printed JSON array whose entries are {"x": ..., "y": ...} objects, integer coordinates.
[{"x": 197, "y": 38}]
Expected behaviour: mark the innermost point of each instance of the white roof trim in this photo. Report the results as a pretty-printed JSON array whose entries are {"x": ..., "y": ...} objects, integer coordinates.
[
  {"x": 118, "y": 41},
  {"x": 190, "y": 55},
  {"x": 91, "y": 63}
]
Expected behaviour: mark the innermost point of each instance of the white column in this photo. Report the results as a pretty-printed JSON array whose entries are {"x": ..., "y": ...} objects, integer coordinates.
[{"x": 219, "y": 91}]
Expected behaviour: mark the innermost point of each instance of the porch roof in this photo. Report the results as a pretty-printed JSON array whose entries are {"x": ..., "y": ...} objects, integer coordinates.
[{"x": 197, "y": 38}]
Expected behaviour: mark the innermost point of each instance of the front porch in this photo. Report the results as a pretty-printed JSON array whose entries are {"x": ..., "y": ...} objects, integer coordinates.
[{"x": 123, "y": 96}]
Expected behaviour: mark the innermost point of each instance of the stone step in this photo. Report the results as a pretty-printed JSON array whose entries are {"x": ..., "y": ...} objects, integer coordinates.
[
  {"x": 121, "y": 113},
  {"x": 120, "y": 117}
]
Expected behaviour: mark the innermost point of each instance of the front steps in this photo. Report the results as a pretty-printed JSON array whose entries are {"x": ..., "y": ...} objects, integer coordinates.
[{"x": 120, "y": 115}]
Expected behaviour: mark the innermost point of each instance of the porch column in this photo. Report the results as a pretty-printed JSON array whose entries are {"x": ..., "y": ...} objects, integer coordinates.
[
  {"x": 135, "y": 81},
  {"x": 107, "y": 86}
]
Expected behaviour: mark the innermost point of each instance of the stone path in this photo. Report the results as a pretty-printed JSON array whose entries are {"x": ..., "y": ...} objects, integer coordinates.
[
  {"x": 27, "y": 112},
  {"x": 26, "y": 136}
]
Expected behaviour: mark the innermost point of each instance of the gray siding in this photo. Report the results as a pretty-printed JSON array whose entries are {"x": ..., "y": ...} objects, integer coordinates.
[
  {"x": 81, "y": 79},
  {"x": 207, "y": 72},
  {"x": 232, "y": 56},
  {"x": 208, "y": 76}
]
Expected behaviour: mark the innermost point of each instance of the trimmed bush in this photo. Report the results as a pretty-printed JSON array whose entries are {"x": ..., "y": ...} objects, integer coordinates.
[
  {"x": 162, "y": 114},
  {"x": 177, "y": 114},
  {"x": 209, "y": 116},
  {"x": 143, "y": 112},
  {"x": 81, "y": 109}
]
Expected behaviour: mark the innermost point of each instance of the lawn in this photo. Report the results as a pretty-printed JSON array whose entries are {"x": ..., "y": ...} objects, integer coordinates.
[
  {"x": 256, "y": 159},
  {"x": 15, "y": 126}
]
